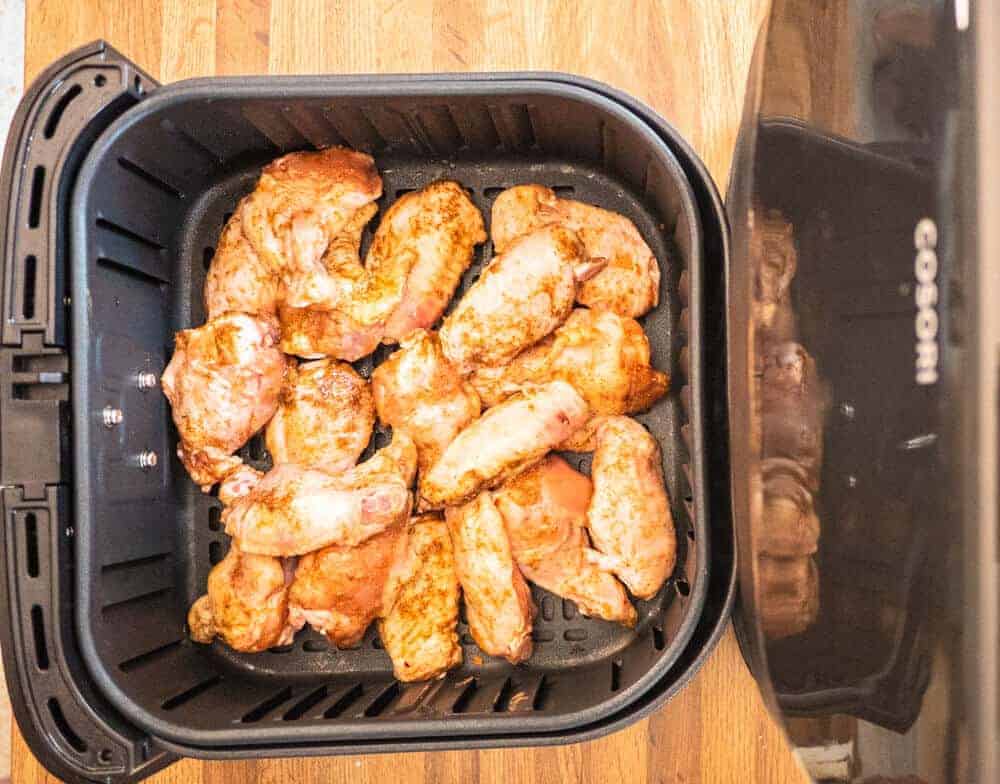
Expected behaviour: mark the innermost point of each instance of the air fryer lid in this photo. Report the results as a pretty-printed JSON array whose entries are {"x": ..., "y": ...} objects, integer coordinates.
[{"x": 846, "y": 329}]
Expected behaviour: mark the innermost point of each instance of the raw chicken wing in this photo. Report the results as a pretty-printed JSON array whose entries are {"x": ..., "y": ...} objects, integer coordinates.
[
  {"x": 303, "y": 201},
  {"x": 238, "y": 279},
  {"x": 629, "y": 285},
  {"x": 328, "y": 329},
  {"x": 417, "y": 390},
  {"x": 420, "y": 605},
  {"x": 507, "y": 439},
  {"x": 545, "y": 510},
  {"x": 246, "y": 604},
  {"x": 603, "y": 355},
  {"x": 324, "y": 419},
  {"x": 295, "y": 510},
  {"x": 338, "y": 590},
  {"x": 520, "y": 297},
  {"x": 629, "y": 514},
  {"x": 238, "y": 483},
  {"x": 222, "y": 383},
  {"x": 497, "y": 599},
  {"x": 439, "y": 227}
]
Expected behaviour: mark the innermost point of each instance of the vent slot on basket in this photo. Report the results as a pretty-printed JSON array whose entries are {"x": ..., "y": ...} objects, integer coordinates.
[
  {"x": 268, "y": 705},
  {"x": 187, "y": 695},
  {"x": 59, "y": 109},
  {"x": 38, "y": 632},
  {"x": 31, "y": 543},
  {"x": 462, "y": 703},
  {"x": 502, "y": 702},
  {"x": 35, "y": 205},
  {"x": 383, "y": 700},
  {"x": 137, "y": 662},
  {"x": 30, "y": 278},
  {"x": 350, "y": 697},
  {"x": 307, "y": 703},
  {"x": 132, "y": 272},
  {"x": 149, "y": 178},
  {"x": 77, "y": 743},
  {"x": 121, "y": 231}
]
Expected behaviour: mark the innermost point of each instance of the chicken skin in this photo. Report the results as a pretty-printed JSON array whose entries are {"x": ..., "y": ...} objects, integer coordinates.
[
  {"x": 603, "y": 355},
  {"x": 324, "y": 418},
  {"x": 303, "y": 201},
  {"x": 222, "y": 383},
  {"x": 327, "y": 329},
  {"x": 507, "y": 439},
  {"x": 628, "y": 286},
  {"x": 417, "y": 390},
  {"x": 238, "y": 280},
  {"x": 295, "y": 510},
  {"x": 338, "y": 590},
  {"x": 439, "y": 227},
  {"x": 420, "y": 605},
  {"x": 629, "y": 514},
  {"x": 545, "y": 511},
  {"x": 520, "y": 297},
  {"x": 246, "y": 604},
  {"x": 497, "y": 599}
]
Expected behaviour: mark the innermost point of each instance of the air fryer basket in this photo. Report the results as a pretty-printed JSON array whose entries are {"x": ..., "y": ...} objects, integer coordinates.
[{"x": 150, "y": 201}]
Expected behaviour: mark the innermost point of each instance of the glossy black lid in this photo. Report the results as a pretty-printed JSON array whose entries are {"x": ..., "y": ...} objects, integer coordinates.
[{"x": 854, "y": 378}]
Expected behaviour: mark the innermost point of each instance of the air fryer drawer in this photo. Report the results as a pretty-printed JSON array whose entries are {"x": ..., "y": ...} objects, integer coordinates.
[{"x": 151, "y": 199}]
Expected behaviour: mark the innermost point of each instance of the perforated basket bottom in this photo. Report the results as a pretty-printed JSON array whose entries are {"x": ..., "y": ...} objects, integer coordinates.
[
  {"x": 578, "y": 661},
  {"x": 563, "y": 637}
]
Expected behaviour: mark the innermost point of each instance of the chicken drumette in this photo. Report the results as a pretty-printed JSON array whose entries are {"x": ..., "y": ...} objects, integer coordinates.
[
  {"x": 324, "y": 419},
  {"x": 507, "y": 439},
  {"x": 629, "y": 514},
  {"x": 246, "y": 604},
  {"x": 520, "y": 297},
  {"x": 301, "y": 203},
  {"x": 238, "y": 279},
  {"x": 420, "y": 604},
  {"x": 222, "y": 383},
  {"x": 497, "y": 599},
  {"x": 439, "y": 227},
  {"x": 629, "y": 285},
  {"x": 417, "y": 390},
  {"x": 603, "y": 355},
  {"x": 545, "y": 511},
  {"x": 295, "y": 510},
  {"x": 338, "y": 590}
]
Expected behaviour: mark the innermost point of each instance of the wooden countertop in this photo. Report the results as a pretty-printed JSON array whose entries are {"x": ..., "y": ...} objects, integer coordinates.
[{"x": 686, "y": 58}]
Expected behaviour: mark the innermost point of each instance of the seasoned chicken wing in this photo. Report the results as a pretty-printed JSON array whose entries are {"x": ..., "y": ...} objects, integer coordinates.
[
  {"x": 545, "y": 511},
  {"x": 497, "y": 599},
  {"x": 417, "y": 390},
  {"x": 330, "y": 329},
  {"x": 603, "y": 355},
  {"x": 238, "y": 279},
  {"x": 324, "y": 419},
  {"x": 439, "y": 227},
  {"x": 420, "y": 604},
  {"x": 520, "y": 297},
  {"x": 507, "y": 439},
  {"x": 222, "y": 383},
  {"x": 303, "y": 201},
  {"x": 295, "y": 510},
  {"x": 629, "y": 285},
  {"x": 338, "y": 590},
  {"x": 246, "y": 604},
  {"x": 629, "y": 514},
  {"x": 238, "y": 483}
]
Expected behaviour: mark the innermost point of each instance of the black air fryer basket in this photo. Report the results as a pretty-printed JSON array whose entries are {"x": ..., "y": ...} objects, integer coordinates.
[{"x": 118, "y": 189}]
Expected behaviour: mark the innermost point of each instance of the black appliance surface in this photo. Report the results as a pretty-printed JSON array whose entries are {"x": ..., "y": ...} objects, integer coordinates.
[{"x": 860, "y": 362}]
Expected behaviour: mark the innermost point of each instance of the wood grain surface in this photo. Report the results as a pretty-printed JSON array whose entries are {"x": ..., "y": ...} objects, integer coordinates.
[{"x": 686, "y": 58}]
